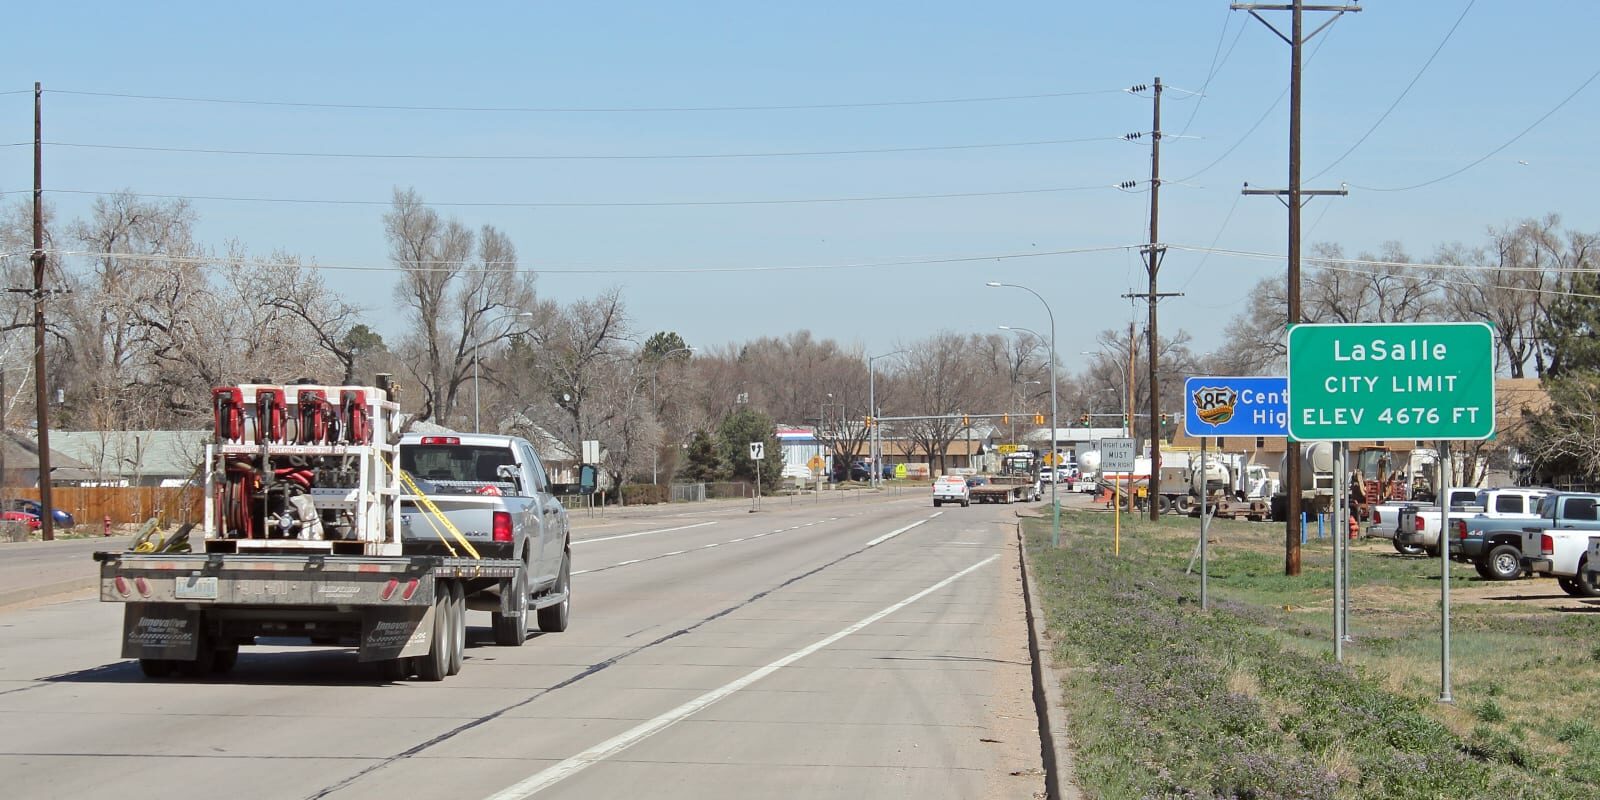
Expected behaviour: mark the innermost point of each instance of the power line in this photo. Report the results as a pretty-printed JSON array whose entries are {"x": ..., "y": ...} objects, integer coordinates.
[
  {"x": 1263, "y": 118},
  {"x": 455, "y": 266},
  {"x": 602, "y": 204},
  {"x": 1220, "y": 230},
  {"x": 1494, "y": 152},
  {"x": 1371, "y": 262},
  {"x": 1215, "y": 66},
  {"x": 592, "y": 157},
  {"x": 586, "y": 110},
  {"x": 16, "y": 91},
  {"x": 1403, "y": 93}
]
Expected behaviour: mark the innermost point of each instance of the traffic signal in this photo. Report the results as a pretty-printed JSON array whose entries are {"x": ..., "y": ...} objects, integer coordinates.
[
  {"x": 1038, "y": 419},
  {"x": 869, "y": 422},
  {"x": 966, "y": 421},
  {"x": 1124, "y": 420},
  {"x": 1005, "y": 419},
  {"x": 1083, "y": 419}
]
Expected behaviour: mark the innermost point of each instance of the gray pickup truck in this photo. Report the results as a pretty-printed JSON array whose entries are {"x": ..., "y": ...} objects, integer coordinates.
[{"x": 495, "y": 492}]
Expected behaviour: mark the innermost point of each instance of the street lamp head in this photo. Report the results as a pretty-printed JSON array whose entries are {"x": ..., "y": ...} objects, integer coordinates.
[
  {"x": 995, "y": 284},
  {"x": 1006, "y": 328}
]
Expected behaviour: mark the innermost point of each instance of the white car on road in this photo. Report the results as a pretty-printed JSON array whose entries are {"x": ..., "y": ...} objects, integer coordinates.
[{"x": 951, "y": 489}]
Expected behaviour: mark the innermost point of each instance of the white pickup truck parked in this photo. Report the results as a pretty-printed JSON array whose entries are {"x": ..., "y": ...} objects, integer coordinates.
[
  {"x": 1384, "y": 523},
  {"x": 1419, "y": 525},
  {"x": 1560, "y": 543}
]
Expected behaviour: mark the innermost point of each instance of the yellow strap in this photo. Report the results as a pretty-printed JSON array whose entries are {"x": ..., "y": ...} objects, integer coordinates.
[{"x": 433, "y": 510}]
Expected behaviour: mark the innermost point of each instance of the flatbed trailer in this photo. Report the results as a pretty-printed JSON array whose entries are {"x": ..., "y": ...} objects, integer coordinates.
[
  {"x": 1002, "y": 489},
  {"x": 190, "y": 613}
]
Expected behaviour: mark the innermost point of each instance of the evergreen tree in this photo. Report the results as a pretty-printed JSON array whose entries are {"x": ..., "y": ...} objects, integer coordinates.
[
  {"x": 1571, "y": 328},
  {"x": 734, "y": 436},
  {"x": 701, "y": 465}
]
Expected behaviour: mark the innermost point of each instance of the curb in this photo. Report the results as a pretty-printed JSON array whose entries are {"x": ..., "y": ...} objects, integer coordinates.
[{"x": 1060, "y": 782}]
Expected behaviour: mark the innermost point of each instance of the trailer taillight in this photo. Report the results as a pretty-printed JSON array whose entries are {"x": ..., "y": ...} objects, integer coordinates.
[
  {"x": 411, "y": 589},
  {"x": 122, "y": 585},
  {"x": 502, "y": 527},
  {"x": 1547, "y": 545},
  {"x": 388, "y": 589},
  {"x": 1419, "y": 523},
  {"x": 144, "y": 586},
  {"x": 441, "y": 440},
  {"x": 1377, "y": 518}
]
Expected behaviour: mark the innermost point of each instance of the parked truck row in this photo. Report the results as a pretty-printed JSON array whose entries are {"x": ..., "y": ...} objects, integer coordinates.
[{"x": 322, "y": 522}]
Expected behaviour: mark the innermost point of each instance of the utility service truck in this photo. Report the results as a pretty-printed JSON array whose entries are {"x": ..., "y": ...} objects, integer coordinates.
[{"x": 323, "y": 524}]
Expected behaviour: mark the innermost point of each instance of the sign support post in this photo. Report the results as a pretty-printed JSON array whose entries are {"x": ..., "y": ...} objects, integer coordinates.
[
  {"x": 1338, "y": 558},
  {"x": 1116, "y": 456},
  {"x": 1205, "y": 525},
  {"x": 1445, "y": 474}
]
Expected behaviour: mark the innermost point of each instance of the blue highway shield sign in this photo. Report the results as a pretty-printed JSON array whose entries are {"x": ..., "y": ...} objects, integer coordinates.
[{"x": 1238, "y": 406}]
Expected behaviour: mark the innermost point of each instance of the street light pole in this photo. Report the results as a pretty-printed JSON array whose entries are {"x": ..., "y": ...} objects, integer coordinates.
[
  {"x": 476, "y": 426},
  {"x": 1055, "y": 504},
  {"x": 873, "y": 442}
]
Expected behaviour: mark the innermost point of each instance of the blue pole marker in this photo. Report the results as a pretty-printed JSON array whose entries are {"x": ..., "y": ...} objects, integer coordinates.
[{"x": 1236, "y": 406}]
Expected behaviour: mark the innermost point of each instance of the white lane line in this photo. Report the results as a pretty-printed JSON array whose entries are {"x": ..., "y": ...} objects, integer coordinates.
[
  {"x": 880, "y": 540},
  {"x": 641, "y": 533},
  {"x": 891, "y": 534},
  {"x": 565, "y": 769}
]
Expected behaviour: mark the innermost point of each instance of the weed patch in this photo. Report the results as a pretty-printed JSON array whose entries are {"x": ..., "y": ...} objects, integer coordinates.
[{"x": 1245, "y": 701}]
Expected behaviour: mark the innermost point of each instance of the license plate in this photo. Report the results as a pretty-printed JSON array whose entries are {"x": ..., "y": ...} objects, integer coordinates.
[{"x": 196, "y": 588}]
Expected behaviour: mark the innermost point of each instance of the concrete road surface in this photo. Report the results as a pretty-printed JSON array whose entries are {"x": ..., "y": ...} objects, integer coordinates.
[{"x": 832, "y": 649}]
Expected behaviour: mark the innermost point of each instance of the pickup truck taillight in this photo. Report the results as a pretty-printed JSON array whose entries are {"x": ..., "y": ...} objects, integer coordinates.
[
  {"x": 1377, "y": 519},
  {"x": 1547, "y": 545},
  {"x": 502, "y": 527},
  {"x": 1461, "y": 529},
  {"x": 1420, "y": 523}
]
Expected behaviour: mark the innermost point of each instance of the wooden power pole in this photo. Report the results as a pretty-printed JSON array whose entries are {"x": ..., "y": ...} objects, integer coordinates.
[
  {"x": 41, "y": 389},
  {"x": 1294, "y": 198}
]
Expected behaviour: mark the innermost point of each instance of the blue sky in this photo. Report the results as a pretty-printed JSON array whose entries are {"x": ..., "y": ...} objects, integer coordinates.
[{"x": 1501, "y": 70}]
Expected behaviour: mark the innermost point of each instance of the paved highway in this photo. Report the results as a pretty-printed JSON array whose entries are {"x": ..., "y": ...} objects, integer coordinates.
[{"x": 838, "y": 649}]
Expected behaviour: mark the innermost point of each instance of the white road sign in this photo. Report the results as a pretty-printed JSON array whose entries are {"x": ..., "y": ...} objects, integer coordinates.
[
  {"x": 758, "y": 451},
  {"x": 1116, "y": 455}
]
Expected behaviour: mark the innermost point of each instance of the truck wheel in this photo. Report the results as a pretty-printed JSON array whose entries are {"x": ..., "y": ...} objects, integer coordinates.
[
  {"x": 1184, "y": 503},
  {"x": 157, "y": 667},
  {"x": 224, "y": 659},
  {"x": 1586, "y": 587},
  {"x": 436, "y": 664},
  {"x": 936, "y": 504},
  {"x": 1501, "y": 563},
  {"x": 458, "y": 626},
  {"x": 553, "y": 619},
  {"x": 1433, "y": 552},
  {"x": 964, "y": 503},
  {"x": 511, "y": 630},
  {"x": 1568, "y": 585},
  {"x": 1406, "y": 549}
]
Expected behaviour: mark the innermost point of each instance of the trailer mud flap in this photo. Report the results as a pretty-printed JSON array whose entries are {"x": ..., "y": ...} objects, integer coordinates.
[
  {"x": 396, "y": 632},
  {"x": 160, "y": 630}
]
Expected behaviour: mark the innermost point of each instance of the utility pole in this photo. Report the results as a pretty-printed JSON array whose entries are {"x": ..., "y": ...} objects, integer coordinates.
[
  {"x": 1296, "y": 40},
  {"x": 41, "y": 391},
  {"x": 1153, "y": 256}
]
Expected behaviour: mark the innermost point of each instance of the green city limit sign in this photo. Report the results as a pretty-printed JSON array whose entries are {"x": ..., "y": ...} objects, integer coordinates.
[{"x": 1391, "y": 381}]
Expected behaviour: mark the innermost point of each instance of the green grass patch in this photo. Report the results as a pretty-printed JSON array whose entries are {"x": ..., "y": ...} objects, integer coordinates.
[{"x": 1246, "y": 701}]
